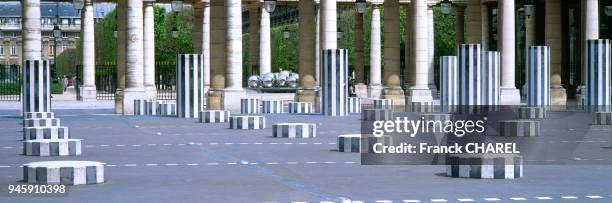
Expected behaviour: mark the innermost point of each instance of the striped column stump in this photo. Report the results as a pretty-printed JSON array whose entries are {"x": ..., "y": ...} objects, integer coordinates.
[
  {"x": 247, "y": 122},
  {"x": 485, "y": 166},
  {"x": 64, "y": 172},
  {"x": 532, "y": 112},
  {"x": 36, "y": 86},
  {"x": 37, "y": 133},
  {"x": 469, "y": 74},
  {"x": 249, "y": 106},
  {"x": 32, "y": 115},
  {"x": 354, "y": 105},
  {"x": 167, "y": 109},
  {"x": 602, "y": 118},
  {"x": 152, "y": 107},
  {"x": 538, "y": 76},
  {"x": 41, "y": 122},
  {"x": 519, "y": 128},
  {"x": 490, "y": 78},
  {"x": 382, "y": 103},
  {"x": 294, "y": 130},
  {"x": 419, "y": 107},
  {"x": 272, "y": 106},
  {"x": 189, "y": 85},
  {"x": 349, "y": 143},
  {"x": 449, "y": 83},
  {"x": 367, "y": 146},
  {"x": 334, "y": 85},
  {"x": 437, "y": 116},
  {"x": 598, "y": 75},
  {"x": 214, "y": 116},
  {"x": 377, "y": 114},
  {"x": 300, "y": 108},
  {"x": 52, "y": 147},
  {"x": 140, "y": 107}
]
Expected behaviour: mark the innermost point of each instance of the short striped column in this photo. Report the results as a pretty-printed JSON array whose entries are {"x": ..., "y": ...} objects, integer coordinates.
[
  {"x": 349, "y": 143},
  {"x": 490, "y": 78},
  {"x": 37, "y": 133},
  {"x": 167, "y": 109},
  {"x": 300, "y": 108},
  {"x": 449, "y": 83},
  {"x": 602, "y": 118},
  {"x": 382, "y": 103},
  {"x": 294, "y": 130},
  {"x": 249, "y": 106},
  {"x": 469, "y": 74},
  {"x": 442, "y": 117},
  {"x": 519, "y": 128},
  {"x": 189, "y": 85},
  {"x": 354, "y": 105},
  {"x": 272, "y": 106},
  {"x": 377, "y": 114},
  {"x": 140, "y": 107},
  {"x": 532, "y": 112},
  {"x": 36, "y": 86},
  {"x": 247, "y": 122},
  {"x": 334, "y": 88},
  {"x": 419, "y": 107},
  {"x": 33, "y": 115},
  {"x": 368, "y": 142},
  {"x": 538, "y": 76},
  {"x": 214, "y": 116},
  {"x": 598, "y": 75},
  {"x": 52, "y": 147},
  {"x": 41, "y": 122},
  {"x": 64, "y": 172},
  {"x": 485, "y": 166},
  {"x": 152, "y": 107}
]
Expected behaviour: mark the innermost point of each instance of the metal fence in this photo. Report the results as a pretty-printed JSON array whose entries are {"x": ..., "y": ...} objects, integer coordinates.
[
  {"x": 165, "y": 80},
  {"x": 10, "y": 83},
  {"x": 106, "y": 81}
]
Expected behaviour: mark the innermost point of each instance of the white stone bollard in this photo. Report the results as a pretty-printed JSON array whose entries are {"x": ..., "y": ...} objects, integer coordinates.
[
  {"x": 64, "y": 172},
  {"x": 52, "y": 147},
  {"x": 249, "y": 106},
  {"x": 300, "y": 108},
  {"x": 449, "y": 83},
  {"x": 333, "y": 79},
  {"x": 490, "y": 78},
  {"x": 294, "y": 130},
  {"x": 469, "y": 74},
  {"x": 37, "y": 133},
  {"x": 377, "y": 114},
  {"x": 383, "y": 103},
  {"x": 41, "y": 122},
  {"x": 33, "y": 115},
  {"x": 272, "y": 106},
  {"x": 598, "y": 75},
  {"x": 354, "y": 105},
  {"x": 247, "y": 122},
  {"x": 519, "y": 128},
  {"x": 36, "y": 86},
  {"x": 485, "y": 166},
  {"x": 189, "y": 85},
  {"x": 214, "y": 116},
  {"x": 538, "y": 76}
]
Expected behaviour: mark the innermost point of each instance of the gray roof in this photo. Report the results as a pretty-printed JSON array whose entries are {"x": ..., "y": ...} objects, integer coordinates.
[{"x": 48, "y": 9}]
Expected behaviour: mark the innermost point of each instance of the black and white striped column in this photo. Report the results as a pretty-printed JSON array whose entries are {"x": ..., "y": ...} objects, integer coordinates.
[
  {"x": 52, "y": 147},
  {"x": 272, "y": 106},
  {"x": 140, "y": 107},
  {"x": 247, "y": 122},
  {"x": 383, "y": 103},
  {"x": 485, "y": 166},
  {"x": 354, "y": 105},
  {"x": 189, "y": 85},
  {"x": 490, "y": 78},
  {"x": 538, "y": 76},
  {"x": 377, "y": 114},
  {"x": 64, "y": 172},
  {"x": 36, "y": 86},
  {"x": 598, "y": 75},
  {"x": 166, "y": 109},
  {"x": 294, "y": 130},
  {"x": 214, "y": 116},
  {"x": 334, "y": 89},
  {"x": 249, "y": 106},
  {"x": 449, "y": 81},
  {"x": 300, "y": 108},
  {"x": 469, "y": 74}
]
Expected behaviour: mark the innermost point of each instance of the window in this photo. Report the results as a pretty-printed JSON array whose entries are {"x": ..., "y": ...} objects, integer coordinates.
[
  {"x": 64, "y": 34},
  {"x": 1, "y": 34},
  {"x": 77, "y": 34},
  {"x": 51, "y": 50},
  {"x": 13, "y": 34},
  {"x": 77, "y": 21},
  {"x": 14, "y": 50},
  {"x": 1, "y": 50},
  {"x": 65, "y": 21}
]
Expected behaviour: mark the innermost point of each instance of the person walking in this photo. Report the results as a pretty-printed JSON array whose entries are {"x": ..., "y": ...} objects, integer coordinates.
[{"x": 65, "y": 82}]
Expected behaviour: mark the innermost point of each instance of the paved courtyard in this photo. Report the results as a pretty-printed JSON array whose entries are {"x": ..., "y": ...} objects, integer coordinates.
[{"x": 163, "y": 159}]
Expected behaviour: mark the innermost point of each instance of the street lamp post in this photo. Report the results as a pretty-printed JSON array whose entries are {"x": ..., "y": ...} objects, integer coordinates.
[
  {"x": 360, "y": 6},
  {"x": 446, "y": 7},
  {"x": 56, "y": 34}
]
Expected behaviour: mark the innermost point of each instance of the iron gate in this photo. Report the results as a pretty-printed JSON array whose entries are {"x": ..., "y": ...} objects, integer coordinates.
[
  {"x": 165, "y": 80},
  {"x": 106, "y": 81},
  {"x": 10, "y": 83}
]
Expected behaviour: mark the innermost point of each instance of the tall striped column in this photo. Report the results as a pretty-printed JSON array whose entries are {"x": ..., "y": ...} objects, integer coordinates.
[
  {"x": 470, "y": 74},
  {"x": 334, "y": 68},
  {"x": 538, "y": 76},
  {"x": 598, "y": 75},
  {"x": 36, "y": 86},
  {"x": 449, "y": 83},
  {"x": 189, "y": 85},
  {"x": 490, "y": 78}
]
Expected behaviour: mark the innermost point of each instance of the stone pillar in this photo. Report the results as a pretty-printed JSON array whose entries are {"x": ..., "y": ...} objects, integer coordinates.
[
  {"x": 307, "y": 52},
  {"x": 553, "y": 40},
  {"x": 32, "y": 39},
  {"x": 510, "y": 95},
  {"x": 431, "y": 83},
  {"x": 88, "y": 88},
  {"x": 419, "y": 92},
  {"x": 530, "y": 23},
  {"x": 486, "y": 31},
  {"x": 149, "y": 51},
  {"x": 391, "y": 73},
  {"x": 474, "y": 22},
  {"x": 202, "y": 41},
  {"x": 121, "y": 39},
  {"x": 134, "y": 82},
  {"x": 408, "y": 54},
  {"x": 459, "y": 24},
  {"x": 329, "y": 29},
  {"x": 591, "y": 31},
  {"x": 317, "y": 43},
  {"x": 360, "y": 88},
  {"x": 265, "y": 43},
  {"x": 217, "y": 57},
  {"x": 254, "y": 39},
  {"x": 375, "y": 86},
  {"x": 233, "y": 58}
]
